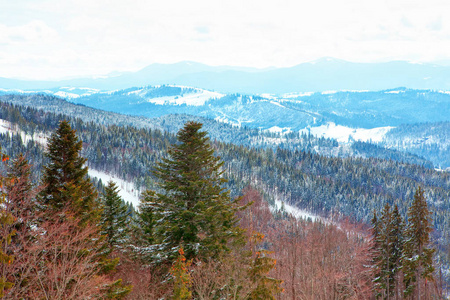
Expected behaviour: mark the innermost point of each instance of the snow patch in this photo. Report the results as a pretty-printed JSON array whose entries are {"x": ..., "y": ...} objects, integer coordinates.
[
  {"x": 295, "y": 95},
  {"x": 296, "y": 212},
  {"x": 277, "y": 104},
  {"x": 345, "y": 134},
  {"x": 38, "y": 137},
  {"x": 197, "y": 97},
  {"x": 276, "y": 129},
  {"x": 127, "y": 191},
  {"x": 394, "y": 92},
  {"x": 66, "y": 95}
]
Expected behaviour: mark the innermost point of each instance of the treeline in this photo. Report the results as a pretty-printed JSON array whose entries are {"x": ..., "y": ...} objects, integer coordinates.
[{"x": 190, "y": 239}]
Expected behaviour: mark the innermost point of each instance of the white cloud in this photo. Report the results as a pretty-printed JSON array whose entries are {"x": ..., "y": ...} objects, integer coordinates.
[
  {"x": 35, "y": 31},
  {"x": 94, "y": 37}
]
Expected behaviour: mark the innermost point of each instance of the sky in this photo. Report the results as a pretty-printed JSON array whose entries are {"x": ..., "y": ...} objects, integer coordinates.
[{"x": 55, "y": 39}]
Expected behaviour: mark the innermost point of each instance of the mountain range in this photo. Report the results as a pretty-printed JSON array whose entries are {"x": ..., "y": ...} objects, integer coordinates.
[
  {"x": 327, "y": 98},
  {"x": 317, "y": 76}
]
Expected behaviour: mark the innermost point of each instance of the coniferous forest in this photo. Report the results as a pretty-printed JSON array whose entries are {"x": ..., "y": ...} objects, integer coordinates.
[{"x": 207, "y": 226}]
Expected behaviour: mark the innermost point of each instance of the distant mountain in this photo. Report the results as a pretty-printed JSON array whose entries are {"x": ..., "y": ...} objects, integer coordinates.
[
  {"x": 317, "y": 76},
  {"x": 237, "y": 135},
  {"x": 288, "y": 112}
]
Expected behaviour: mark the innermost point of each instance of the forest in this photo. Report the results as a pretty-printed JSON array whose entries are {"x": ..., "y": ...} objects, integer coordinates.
[{"x": 261, "y": 253}]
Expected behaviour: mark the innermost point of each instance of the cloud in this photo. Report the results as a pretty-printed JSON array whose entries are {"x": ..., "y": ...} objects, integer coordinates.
[
  {"x": 435, "y": 25},
  {"x": 31, "y": 32},
  {"x": 94, "y": 37},
  {"x": 202, "y": 29}
]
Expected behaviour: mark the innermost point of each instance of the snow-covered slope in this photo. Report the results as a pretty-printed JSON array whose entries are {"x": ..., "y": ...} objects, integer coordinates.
[
  {"x": 63, "y": 92},
  {"x": 186, "y": 95},
  {"x": 39, "y": 137},
  {"x": 344, "y": 134},
  {"x": 127, "y": 191},
  {"x": 294, "y": 211}
]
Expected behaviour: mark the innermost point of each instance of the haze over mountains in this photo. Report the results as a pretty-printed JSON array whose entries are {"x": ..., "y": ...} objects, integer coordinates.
[{"x": 317, "y": 76}]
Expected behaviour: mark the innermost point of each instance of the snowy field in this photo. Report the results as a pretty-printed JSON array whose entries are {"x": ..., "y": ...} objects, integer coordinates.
[
  {"x": 127, "y": 191},
  {"x": 343, "y": 134},
  {"x": 196, "y": 98},
  {"x": 296, "y": 212}
]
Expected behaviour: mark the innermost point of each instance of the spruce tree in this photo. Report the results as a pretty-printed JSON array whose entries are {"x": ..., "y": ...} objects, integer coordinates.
[
  {"x": 387, "y": 249},
  {"x": 115, "y": 219},
  {"x": 397, "y": 234},
  {"x": 65, "y": 181},
  {"x": 418, "y": 254},
  {"x": 385, "y": 281},
  {"x": 193, "y": 211},
  {"x": 144, "y": 231},
  {"x": 68, "y": 193}
]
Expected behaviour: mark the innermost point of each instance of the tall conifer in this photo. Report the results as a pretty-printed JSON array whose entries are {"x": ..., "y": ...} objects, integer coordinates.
[
  {"x": 65, "y": 177},
  {"x": 387, "y": 249},
  {"x": 397, "y": 234},
  {"x": 114, "y": 217},
  {"x": 194, "y": 210},
  {"x": 68, "y": 192},
  {"x": 418, "y": 254}
]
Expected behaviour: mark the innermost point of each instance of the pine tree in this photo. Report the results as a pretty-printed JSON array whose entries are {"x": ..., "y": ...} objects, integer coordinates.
[
  {"x": 65, "y": 181},
  {"x": 144, "y": 232},
  {"x": 115, "y": 219},
  {"x": 387, "y": 249},
  {"x": 397, "y": 234},
  {"x": 69, "y": 194},
  {"x": 385, "y": 281},
  {"x": 418, "y": 254},
  {"x": 194, "y": 211}
]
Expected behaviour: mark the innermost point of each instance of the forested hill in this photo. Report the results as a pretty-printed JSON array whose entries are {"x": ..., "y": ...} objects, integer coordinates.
[
  {"x": 217, "y": 130},
  {"x": 343, "y": 186},
  {"x": 429, "y": 139}
]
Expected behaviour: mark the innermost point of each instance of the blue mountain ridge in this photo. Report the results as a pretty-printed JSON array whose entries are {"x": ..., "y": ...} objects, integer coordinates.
[{"x": 321, "y": 75}]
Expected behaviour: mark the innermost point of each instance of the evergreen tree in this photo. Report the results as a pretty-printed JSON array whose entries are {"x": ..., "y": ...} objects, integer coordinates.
[
  {"x": 384, "y": 283},
  {"x": 115, "y": 217},
  {"x": 194, "y": 211},
  {"x": 418, "y": 254},
  {"x": 397, "y": 235},
  {"x": 65, "y": 181},
  {"x": 68, "y": 193},
  {"x": 387, "y": 249},
  {"x": 144, "y": 232}
]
